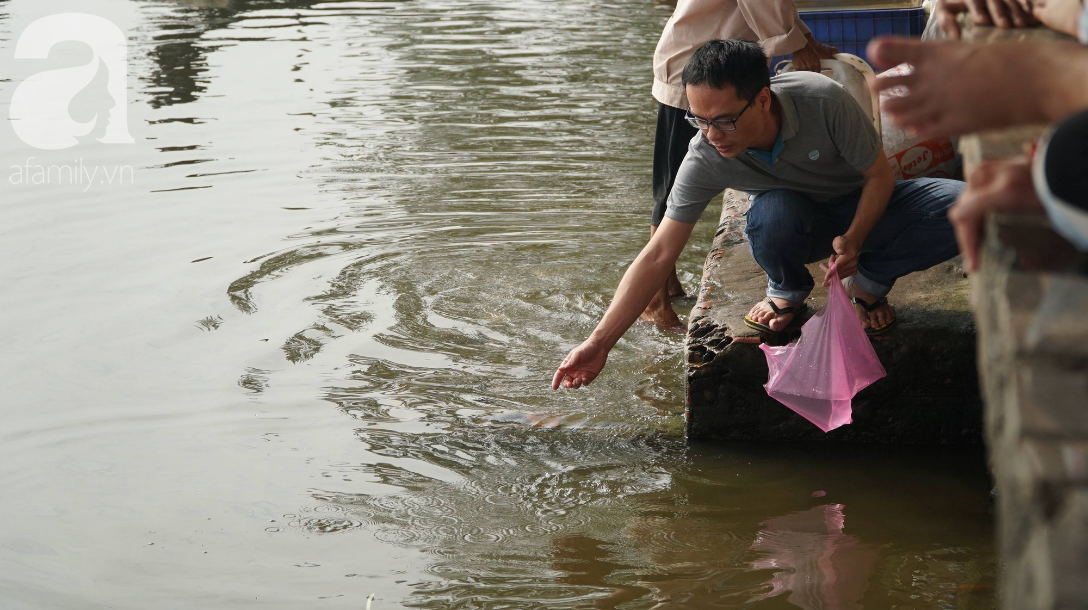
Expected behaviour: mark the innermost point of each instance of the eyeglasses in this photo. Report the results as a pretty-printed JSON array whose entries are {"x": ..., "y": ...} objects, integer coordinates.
[{"x": 719, "y": 124}]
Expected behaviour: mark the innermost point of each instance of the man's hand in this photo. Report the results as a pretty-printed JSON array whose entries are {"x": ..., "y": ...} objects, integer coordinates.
[
  {"x": 1060, "y": 15},
  {"x": 1002, "y": 13},
  {"x": 993, "y": 186},
  {"x": 805, "y": 59},
  {"x": 876, "y": 192},
  {"x": 823, "y": 51},
  {"x": 957, "y": 88},
  {"x": 808, "y": 58},
  {"x": 581, "y": 366},
  {"x": 845, "y": 257}
]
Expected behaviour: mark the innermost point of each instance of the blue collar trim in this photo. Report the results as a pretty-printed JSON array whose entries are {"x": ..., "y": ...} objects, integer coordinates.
[{"x": 769, "y": 157}]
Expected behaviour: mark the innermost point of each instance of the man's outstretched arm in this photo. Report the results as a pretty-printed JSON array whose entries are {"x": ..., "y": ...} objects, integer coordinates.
[{"x": 636, "y": 289}]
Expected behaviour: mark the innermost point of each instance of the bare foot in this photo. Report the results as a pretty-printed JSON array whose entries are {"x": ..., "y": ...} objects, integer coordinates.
[
  {"x": 659, "y": 313},
  {"x": 884, "y": 313},
  {"x": 673, "y": 285},
  {"x": 763, "y": 314}
]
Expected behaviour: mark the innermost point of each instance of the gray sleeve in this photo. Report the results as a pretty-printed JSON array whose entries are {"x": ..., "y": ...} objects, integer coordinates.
[
  {"x": 696, "y": 184},
  {"x": 853, "y": 133}
]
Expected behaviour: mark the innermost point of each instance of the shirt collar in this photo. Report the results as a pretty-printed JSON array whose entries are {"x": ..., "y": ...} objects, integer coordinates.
[
  {"x": 787, "y": 130},
  {"x": 769, "y": 157}
]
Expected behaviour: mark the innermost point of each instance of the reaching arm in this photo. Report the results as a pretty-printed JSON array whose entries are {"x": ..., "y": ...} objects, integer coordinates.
[
  {"x": 643, "y": 277},
  {"x": 636, "y": 289},
  {"x": 875, "y": 194},
  {"x": 777, "y": 25}
]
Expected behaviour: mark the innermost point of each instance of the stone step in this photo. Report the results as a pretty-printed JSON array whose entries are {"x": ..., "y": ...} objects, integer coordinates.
[{"x": 931, "y": 393}]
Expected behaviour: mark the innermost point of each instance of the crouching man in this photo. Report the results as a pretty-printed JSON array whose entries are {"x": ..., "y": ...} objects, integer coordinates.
[{"x": 822, "y": 188}]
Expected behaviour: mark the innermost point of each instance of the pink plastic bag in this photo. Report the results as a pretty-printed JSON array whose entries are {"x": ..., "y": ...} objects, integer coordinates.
[{"x": 833, "y": 360}]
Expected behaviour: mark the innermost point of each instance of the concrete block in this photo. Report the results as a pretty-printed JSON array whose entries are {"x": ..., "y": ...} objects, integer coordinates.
[
  {"x": 1016, "y": 306},
  {"x": 931, "y": 394},
  {"x": 1049, "y": 468},
  {"x": 1051, "y": 571},
  {"x": 1028, "y": 582},
  {"x": 1035, "y": 476},
  {"x": 1053, "y": 400},
  {"x": 1068, "y": 559},
  {"x": 1026, "y": 242},
  {"x": 1059, "y": 327}
]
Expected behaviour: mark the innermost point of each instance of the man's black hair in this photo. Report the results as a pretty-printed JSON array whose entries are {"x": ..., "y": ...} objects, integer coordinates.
[{"x": 718, "y": 64}]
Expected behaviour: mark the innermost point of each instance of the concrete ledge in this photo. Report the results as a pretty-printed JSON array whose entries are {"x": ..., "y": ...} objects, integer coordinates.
[
  {"x": 1029, "y": 298},
  {"x": 930, "y": 395},
  {"x": 1033, "y": 342}
]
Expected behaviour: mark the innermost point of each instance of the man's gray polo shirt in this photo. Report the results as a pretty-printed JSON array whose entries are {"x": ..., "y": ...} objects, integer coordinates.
[{"x": 827, "y": 142}]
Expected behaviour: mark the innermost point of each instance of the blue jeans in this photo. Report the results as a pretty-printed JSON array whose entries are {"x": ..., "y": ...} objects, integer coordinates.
[{"x": 786, "y": 230}]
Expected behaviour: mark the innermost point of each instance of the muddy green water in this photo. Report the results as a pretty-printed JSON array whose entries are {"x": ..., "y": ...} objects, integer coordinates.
[{"x": 300, "y": 354}]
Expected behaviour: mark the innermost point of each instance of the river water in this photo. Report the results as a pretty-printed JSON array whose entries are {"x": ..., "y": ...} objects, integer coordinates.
[{"x": 291, "y": 347}]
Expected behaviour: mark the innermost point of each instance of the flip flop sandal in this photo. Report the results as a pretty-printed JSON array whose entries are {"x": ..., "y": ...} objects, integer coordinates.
[
  {"x": 778, "y": 311},
  {"x": 880, "y": 330}
]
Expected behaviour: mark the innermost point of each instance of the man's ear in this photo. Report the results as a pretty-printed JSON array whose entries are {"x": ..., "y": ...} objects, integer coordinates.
[{"x": 764, "y": 98}]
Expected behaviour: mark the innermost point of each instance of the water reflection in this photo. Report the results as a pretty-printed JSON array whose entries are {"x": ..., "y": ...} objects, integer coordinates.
[
  {"x": 582, "y": 519},
  {"x": 585, "y": 562},
  {"x": 180, "y": 72},
  {"x": 815, "y": 563}
]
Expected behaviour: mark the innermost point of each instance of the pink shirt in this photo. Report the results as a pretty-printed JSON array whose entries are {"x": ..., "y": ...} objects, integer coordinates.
[{"x": 773, "y": 23}]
